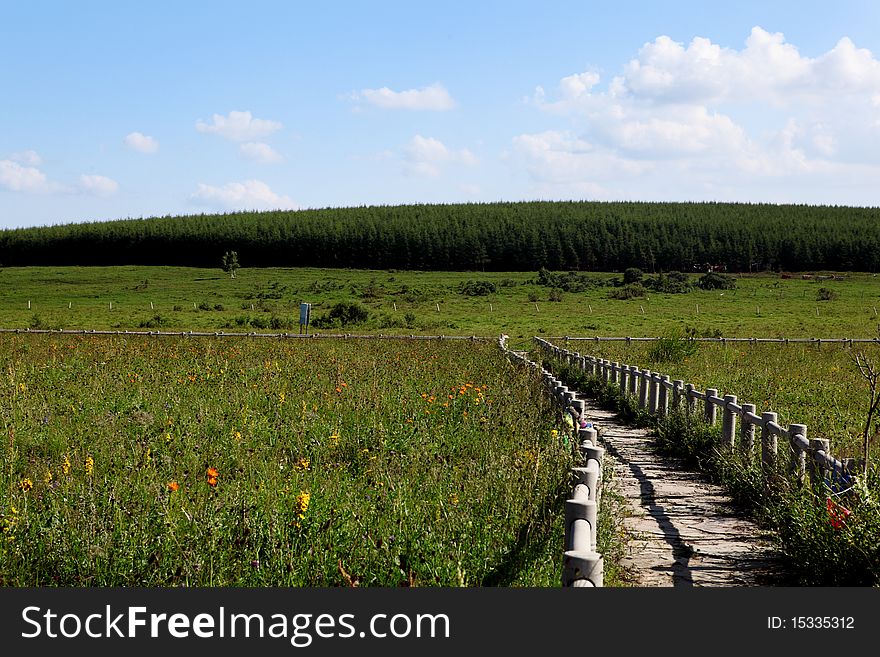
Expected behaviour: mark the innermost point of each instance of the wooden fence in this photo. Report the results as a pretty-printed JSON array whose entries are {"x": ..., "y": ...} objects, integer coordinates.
[
  {"x": 658, "y": 394},
  {"x": 582, "y": 564}
]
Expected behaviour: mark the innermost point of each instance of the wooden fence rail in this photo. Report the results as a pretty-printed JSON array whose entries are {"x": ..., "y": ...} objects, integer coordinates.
[
  {"x": 582, "y": 564},
  {"x": 652, "y": 390},
  {"x": 365, "y": 336},
  {"x": 816, "y": 341}
]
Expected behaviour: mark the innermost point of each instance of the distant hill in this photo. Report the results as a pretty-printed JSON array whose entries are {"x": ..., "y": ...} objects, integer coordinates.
[{"x": 522, "y": 236}]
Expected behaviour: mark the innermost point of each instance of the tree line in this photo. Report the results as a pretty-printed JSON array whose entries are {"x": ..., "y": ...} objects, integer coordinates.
[{"x": 517, "y": 236}]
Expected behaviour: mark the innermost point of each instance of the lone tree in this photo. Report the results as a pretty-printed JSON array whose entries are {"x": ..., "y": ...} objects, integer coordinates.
[
  {"x": 870, "y": 372},
  {"x": 230, "y": 262}
]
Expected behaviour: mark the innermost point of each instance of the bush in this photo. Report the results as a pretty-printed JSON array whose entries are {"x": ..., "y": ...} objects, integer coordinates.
[
  {"x": 477, "y": 288},
  {"x": 674, "y": 282},
  {"x": 824, "y": 294},
  {"x": 344, "y": 313},
  {"x": 673, "y": 347},
  {"x": 555, "y": 294},
  {"x": 632, "y": 275},
  {"x": 716, "y": 281},
  {"x": 631, "y": 291},
  {"x": 153, "y": 322}
]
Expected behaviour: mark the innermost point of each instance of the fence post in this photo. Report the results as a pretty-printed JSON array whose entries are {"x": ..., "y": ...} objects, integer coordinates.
[
  {"x": 677, "y": 390},
  {"x": 747, "y": 432},
  {"x": 654, "y": 394},
  {"x": 818, "y": 470},
  {"x": 663, "y": 399},
  {"x": 615, "y": 372},
  {"x": 691, "y": 398},
  {"x": 644, "y": 385},
  {"x": 624, "y": 379},
  {"x": 769, "y": 443},
  {"x": 710, "y": 412},
  {"x": 633, "y": 380},
  {"x": 798, "y": 464},
  {"x": 728, "y": 422}
]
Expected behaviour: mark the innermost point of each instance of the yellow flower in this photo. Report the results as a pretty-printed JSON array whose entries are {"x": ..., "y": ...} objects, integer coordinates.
[
  {"x": 301, "y": 464},
  {"x": 301, "y": 505},
  {"x": 90, "y": 466},
  {"x": 65, "y": 465},
  {"x": 25, "y": 485},
  {"x": 48, "y": 476},
  {"x": 553, "y": 433}
]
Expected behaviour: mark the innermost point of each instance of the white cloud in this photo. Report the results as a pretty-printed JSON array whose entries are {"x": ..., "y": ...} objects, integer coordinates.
[
  {"x": 434, "y": 97},
  {"x": 259, "y": 152},
  {"x": 238, "y": 126},
  {"x": 18, "y": 178},
  {"x": 247, "y": 195},
  {"x": 97, "y": 185},
  {"x": 697, "y": 118},
  {"x": 28, "y": 158},
  {"x": 141, "y": 143},
  {"x": 427, "y": 156}
]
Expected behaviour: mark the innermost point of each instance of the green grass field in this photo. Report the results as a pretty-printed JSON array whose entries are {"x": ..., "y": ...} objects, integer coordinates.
[
  {"x": 253, "y": 462},
  {"x": 763, "y": 305},
  {"x": 815, "y": 385}
]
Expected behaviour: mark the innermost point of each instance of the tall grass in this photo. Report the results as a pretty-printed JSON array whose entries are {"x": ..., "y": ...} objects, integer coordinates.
[{"x": 236, "y": 462}]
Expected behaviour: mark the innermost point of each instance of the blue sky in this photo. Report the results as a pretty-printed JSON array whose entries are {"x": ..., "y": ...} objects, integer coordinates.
[{"x": 112, "y": 109}]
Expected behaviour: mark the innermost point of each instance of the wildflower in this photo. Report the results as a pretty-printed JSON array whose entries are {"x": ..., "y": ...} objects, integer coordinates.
[
  {"x": 48, "y": 476},
  {"x": 213, "y": 475},
  {"x": 301, "y": 505},
  {"x": 453, "y": 499},
  {"x": 25, "y": 485},
  {"x": 837, "y": 513},
  {"x": 553, "y": 433},
  {"x": 301, "y": 464},
  {"x": 173, "y": 486},
  {"x": 334, "y": 440},
  {"x": 65, "y": 465},
  {"x": 89, "y": 466},
  {"x": 281, "y": 398}
]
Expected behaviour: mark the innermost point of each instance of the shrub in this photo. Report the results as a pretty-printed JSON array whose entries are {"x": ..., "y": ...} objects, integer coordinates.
[
  {"x": 716, "y": 281},
  {"x": 824, "y": 294},
  {"x": 673, "y": 347},
  {"x": 631, "y": 291},
  {"x": 344, "y": 313},
  {"x": 477, "y": 288},
  {"x": 632, "y": 275},
  {"x": 674, "y": 282}
]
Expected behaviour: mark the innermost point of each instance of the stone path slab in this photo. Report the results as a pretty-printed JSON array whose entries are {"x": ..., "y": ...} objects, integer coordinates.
[{"x": 685, "y": 531}]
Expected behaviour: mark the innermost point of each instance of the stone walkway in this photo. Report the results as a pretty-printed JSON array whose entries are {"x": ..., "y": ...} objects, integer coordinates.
[{"x": 685, "y": 531}]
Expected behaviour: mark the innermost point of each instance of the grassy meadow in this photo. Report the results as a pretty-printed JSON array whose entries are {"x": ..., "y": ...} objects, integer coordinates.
[
  {"x": 815, "y": 385},
  {"x": 132, "y": 460},
  {"x": 404, "y": 302}
]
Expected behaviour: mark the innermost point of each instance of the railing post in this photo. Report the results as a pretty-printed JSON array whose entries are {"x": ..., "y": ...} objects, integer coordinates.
[
  {"x": 677, "y": 390},
  {"x": 624, "y": 379},
  {"x": 769, "y": 443},
  {"x": 663, "y": 399},
  {"x": 633, "y": 380},
  {"x": 643, "y": 387},
  {"x": 747, "y": 433},
  {"x": 818, "y": 470},
  {"x": 728, "y": 422},
  {"x": 691, "y": 399},
  {"x": 798, "y": 464},
  {"x": 654, "y": 394},
  {"x": 710, "y": 412}
]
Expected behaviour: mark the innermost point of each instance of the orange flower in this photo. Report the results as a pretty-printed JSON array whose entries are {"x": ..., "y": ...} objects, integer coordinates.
[
  {"x": 173, "y": 486},
  {"x": 213, "y": 474},
  {"x": 212, "y": 481}
]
